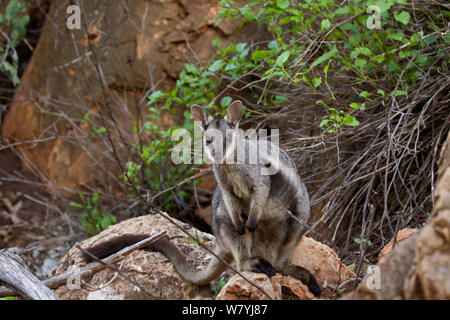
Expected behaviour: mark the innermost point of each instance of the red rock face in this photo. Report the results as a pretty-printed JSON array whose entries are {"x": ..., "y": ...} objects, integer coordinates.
[{"x": 136, "y": 47}]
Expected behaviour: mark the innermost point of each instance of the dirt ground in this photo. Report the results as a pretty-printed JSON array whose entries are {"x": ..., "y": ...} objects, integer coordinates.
[{"x": 30, "y": 217}]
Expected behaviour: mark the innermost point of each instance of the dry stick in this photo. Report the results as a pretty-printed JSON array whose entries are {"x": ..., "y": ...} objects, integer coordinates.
[
  {"x": 198, "y": 175},
  {"x": 107, "y": 265},
  {"x": 389, "y": 144},
  {"x": 108, "y": 133},
  {"x": 14, "y": 274},
  {"x": 59, "y": 280}
]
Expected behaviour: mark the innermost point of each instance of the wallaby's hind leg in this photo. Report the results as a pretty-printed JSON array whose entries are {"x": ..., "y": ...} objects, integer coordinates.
[
  {"x": 241, "y": 249},
  {"x": 305, "y": 276}
]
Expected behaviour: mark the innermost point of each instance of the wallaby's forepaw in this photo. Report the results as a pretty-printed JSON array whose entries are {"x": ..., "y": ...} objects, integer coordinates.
[
  {"x": 263, "y": 266},
  {"x": 251, "y": 225}
]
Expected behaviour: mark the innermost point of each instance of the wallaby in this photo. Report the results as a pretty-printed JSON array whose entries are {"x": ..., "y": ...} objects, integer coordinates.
[{"x": 257, "y": 218}]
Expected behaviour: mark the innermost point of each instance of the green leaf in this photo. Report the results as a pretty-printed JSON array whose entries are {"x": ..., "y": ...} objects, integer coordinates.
[
  {"x": 325, "y": 24},
  {"x": 431, "y": 39},
  {"x": 11, "y": 71},
  {"x": 341, "y": 11},
  {"x": 220, "y": 285},
  {"x": 282, "y": 4},
  {"x": 155, "y": 96},
  {"x": 323, "y": 122},
  {"x": 20, "y": 30},
  {"x": 316, "y": 81},
  {"x": 362, "y": 50},
  {"x": 285, "y": 20},
  {"x": 260, "y": 54},
  {"x": 379, "y": 59},
  {"x": 402, "y": 17},
  {"x": 280, "y": 99},
  {"x": 217, "y": 65},
  {"x": 217, "y": 43},
  {"x": 283, "y": 58},
  {"x": 350, "y": 121},
  {"x": 225, "y": 101},
  {"x": 365, "y": 94},
  {"x": 190, "y": 68},
  {"x": 398, "y": 93},
  {"x": 76, "y": 204},
  {"x": 241, "y": 46},
  {"x": 100, "y": 130},
  {"x": 360, "y": 63},
  {"x": 326, "y": 56},
  {"x": 273, "y": 45}
]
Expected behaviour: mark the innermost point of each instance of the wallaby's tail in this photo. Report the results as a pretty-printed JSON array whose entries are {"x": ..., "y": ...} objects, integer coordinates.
[
  {"x": 109, "y": 247},
  {"x": 305, "y": 276},
  {"x": 200, "y": 277}
]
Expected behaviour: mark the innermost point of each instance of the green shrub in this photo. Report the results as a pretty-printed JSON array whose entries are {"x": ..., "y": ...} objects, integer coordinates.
[
  {"x": 15, "y": 20},
  {"x": 94, "y": 218}
]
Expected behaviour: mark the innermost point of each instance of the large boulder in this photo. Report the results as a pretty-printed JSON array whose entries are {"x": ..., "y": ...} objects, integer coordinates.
[{"x": 151, "y": 270}]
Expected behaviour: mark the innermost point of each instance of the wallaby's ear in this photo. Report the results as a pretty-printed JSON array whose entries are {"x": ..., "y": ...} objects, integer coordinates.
[
  {"x": 234, "y": 112},
  {"x": 199, "y": 114}
]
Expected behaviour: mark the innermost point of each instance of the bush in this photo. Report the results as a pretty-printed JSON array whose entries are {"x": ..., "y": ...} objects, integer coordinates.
[{"x": 16, "y": 21}]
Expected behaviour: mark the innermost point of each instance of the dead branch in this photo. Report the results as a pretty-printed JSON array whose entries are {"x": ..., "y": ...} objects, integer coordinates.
[
  {"x": 15, "y": 275},
  {"x": 59, "y": 280},
  {"x": 107, "y": 265}
]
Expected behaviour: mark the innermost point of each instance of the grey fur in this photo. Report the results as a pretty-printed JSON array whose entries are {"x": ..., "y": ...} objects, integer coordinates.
[{"x": 250, "y": 211}]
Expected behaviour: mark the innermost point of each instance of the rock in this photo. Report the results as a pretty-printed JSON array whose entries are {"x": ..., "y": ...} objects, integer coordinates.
[
  {"x": 151, "y": 270},
  {"x": 239, "y": 289},
  {"x": 137, "y": 45},
  {"x": 318, "y": 258},
  {"x": 292, "y": 287},
  {"x": 429, "y": 276},
  {"x": 321, "y": 261},
  {"x": 401, "y": 235}
]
